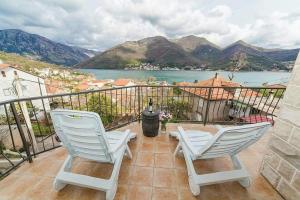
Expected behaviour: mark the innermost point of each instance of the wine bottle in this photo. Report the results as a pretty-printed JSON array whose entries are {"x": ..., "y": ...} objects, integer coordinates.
[{"x": 150, "y": 108}]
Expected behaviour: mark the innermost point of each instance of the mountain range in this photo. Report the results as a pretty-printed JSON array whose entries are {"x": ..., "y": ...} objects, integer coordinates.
[
  {"x": 41, "y": 48},
  {"x": 193, "y": 51},
  {"x": 186, "y": 51}
]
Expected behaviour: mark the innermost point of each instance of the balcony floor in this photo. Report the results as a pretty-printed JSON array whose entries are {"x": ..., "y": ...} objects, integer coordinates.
[{"x": 153, "y": 173}]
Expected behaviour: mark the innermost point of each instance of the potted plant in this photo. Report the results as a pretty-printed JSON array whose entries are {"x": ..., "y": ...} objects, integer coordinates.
[{"x": 164, "y": 117}]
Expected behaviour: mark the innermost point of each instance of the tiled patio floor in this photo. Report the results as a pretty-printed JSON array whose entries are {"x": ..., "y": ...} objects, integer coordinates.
[{"x": 153, "y": 173}]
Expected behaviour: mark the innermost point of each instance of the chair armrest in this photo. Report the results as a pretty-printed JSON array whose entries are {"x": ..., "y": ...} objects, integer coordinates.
[
  {"x": 183, "y": 138},
  {"x": 123, "y": 143}
]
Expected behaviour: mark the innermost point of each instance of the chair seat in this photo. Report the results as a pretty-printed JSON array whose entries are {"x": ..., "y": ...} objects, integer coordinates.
[
  {"x": 115, "y": 134},
  {"x": 116, "y": 138},
  {"x": 198, "y": 139}
]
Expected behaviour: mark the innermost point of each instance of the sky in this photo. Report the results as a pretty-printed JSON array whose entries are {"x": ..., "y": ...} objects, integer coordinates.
[{"x": 102, "y": 24}]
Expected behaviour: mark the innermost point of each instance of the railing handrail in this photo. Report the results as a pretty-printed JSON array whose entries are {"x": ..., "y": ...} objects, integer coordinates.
[
  {"x": 120, "y": 106},
  {"x": 118, "y": 88}
]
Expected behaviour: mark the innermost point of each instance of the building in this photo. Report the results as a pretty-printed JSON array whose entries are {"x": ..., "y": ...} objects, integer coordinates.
[
  {"x": 100, "y": 83},
  {"x": 30, "y": 85},
  {"x": 55, "y": 87},
  {"x": 224, "y": 101},
  {"x": 83, "y": 86},
  {"x": 123, "y": 83}
]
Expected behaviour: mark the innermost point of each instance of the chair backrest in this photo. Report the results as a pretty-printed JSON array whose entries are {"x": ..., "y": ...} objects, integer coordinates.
[
  {"x": 82, "y": 133},
  {"x": 232, "y": 140}
]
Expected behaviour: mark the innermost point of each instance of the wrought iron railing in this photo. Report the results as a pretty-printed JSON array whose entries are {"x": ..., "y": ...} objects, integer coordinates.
[{"x": 26, "y": 128}]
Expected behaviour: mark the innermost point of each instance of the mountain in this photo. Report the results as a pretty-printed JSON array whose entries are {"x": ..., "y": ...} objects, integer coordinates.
[
  {"x": 41, "y": 48},
  {"x": 242, "y": 56},
  {"x": 191, "y": 50},
  {"x": 200, "y": 48},
  {"x": 191, "y": 43},
  {"x": 155, "y": 50}
]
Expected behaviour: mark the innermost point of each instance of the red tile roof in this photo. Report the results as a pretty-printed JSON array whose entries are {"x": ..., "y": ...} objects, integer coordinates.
[
  {"x": 82, "y": 86},
  {"x": 3, "y": 66},
  {"x": 122, "y": 82},
  {"x": 99, "y": 81},
  {"x": 216, "y": 93}
]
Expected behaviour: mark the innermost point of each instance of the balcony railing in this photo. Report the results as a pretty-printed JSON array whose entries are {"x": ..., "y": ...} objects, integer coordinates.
[{"x": 26, "y": 128}]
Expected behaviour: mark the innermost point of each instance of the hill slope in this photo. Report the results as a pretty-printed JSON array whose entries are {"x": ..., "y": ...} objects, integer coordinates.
[
  {"x": 155, "y": 50},
  {"x": 41, "y": 48},
  {"x": 191, "y": 50},
  {"x": 242, "y": 56}
]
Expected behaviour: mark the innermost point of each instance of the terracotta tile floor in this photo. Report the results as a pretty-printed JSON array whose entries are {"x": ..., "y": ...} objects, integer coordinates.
[{"x": 153, "y": 173}]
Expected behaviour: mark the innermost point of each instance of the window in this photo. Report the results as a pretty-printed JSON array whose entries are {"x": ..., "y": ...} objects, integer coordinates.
[
  {"x": 15, "y": 72},
  {"x": 3, "y": 73}
]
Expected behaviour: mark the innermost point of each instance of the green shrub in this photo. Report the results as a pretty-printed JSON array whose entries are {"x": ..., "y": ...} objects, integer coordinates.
[
  {"x": 40, "y": 129},
  {"x": 177, "y": 108},
  {"x": 104, "y": 107}
]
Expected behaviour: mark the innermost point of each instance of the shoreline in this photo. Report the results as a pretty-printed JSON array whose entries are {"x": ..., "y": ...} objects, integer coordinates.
[
  {"x": 142, "y": 70},
  {"x": 252, "y": 78}
]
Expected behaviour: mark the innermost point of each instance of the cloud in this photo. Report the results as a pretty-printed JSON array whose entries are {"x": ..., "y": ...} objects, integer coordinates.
[{"x": 102, "y": 24}]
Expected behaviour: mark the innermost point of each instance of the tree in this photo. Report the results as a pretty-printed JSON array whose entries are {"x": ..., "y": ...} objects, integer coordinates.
[
  {"x": 104, "y": 107},
  {"x": 177, "y": 108}
]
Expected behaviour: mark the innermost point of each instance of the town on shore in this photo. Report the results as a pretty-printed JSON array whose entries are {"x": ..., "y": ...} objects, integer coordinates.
[{"x": 51, "y": 81}]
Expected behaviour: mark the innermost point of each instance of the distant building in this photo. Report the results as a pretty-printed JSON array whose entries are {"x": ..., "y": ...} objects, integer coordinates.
[
  {"x": 55, "y": 87},
  {"x": 219, "y": 102},
  {"x": 100, "y": 83},
  {"x": 83, "y": 86},
  {"x": 123, "y": 83}
]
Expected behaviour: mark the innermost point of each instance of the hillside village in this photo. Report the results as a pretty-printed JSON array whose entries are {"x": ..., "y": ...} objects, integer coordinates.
[{"x": 36, "y": 76}]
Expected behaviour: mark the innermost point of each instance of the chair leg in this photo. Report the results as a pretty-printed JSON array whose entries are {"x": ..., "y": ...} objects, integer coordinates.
[
  {"x": 178, "y": 148},
  {"x": 195, "y": 188},
  {"x": 68, "y": 165},
  {"x": 58, "y": 184},
  {"x": 245, "y": 182},
  {"x": 110, "y": 194},
  {"x": 128, "y": 152}
]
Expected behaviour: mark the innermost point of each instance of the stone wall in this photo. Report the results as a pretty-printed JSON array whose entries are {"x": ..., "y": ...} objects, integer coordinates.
[{"x": 281, "y": 164}]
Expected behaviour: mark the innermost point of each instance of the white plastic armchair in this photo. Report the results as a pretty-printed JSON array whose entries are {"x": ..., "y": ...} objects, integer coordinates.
[
  {"x": 83, "y": 135},
  {"x": 228, "y": 141}
]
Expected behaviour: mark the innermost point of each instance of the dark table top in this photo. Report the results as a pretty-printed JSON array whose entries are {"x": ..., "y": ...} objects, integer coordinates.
[{"x": 150, "y": 114}]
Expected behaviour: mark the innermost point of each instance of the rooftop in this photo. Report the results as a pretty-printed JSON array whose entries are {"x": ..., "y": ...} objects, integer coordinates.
[
  {"x": 222, "y": 90},
  {"x": 153, "y": 173},
  {"x": 3, "y": 66},
  {"x": 122, "y": 82}
]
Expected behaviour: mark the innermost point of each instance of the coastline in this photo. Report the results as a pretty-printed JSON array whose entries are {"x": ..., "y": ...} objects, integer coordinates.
[{"x": 249, "y": 78}]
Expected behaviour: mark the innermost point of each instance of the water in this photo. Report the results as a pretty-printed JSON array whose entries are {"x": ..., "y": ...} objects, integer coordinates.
[{"x": 245, "y": 78}]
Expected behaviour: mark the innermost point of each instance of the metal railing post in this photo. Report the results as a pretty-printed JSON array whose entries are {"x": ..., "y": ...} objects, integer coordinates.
[
  {"x": 207, "y": 106},
  {"x": 139, "y": 104},
  {"x": 25, "y": 145}
]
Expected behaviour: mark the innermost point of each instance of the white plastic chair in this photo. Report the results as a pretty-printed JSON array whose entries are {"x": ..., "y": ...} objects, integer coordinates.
[
  {"x": 228, "y": 141},
  {"x": 83, "y": 135}
]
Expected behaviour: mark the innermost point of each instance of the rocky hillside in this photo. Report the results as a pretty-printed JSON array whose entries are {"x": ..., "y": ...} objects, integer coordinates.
[
  {"x": 155, "y": 50},
  {"x": 191, "y": 50},
  {"x": 41, "y": 48}
]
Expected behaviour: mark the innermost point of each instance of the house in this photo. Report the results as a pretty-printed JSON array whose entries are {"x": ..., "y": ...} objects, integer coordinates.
[
  {"x": 55, "y": 86},
  {"x": 100, "y": 83},
  {"x": 123, "y": 83},
  {"x": 82, "y": 86},
  {"x": 30, "y": 85},
  {"x": 221, "y": 102}
]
